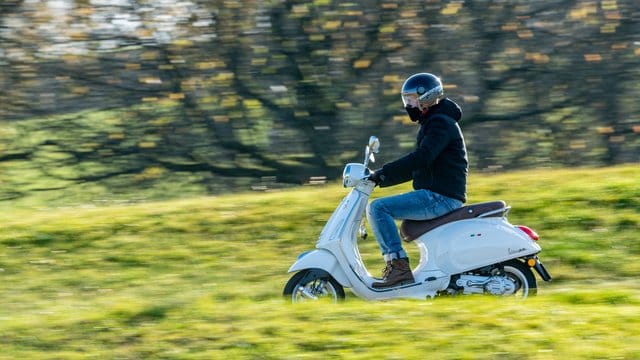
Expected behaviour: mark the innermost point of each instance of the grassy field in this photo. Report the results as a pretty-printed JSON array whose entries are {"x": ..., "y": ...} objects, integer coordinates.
[{"x": 201, "y": 279}]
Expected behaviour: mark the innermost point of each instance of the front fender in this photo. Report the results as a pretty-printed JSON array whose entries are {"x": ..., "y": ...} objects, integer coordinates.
[{"x": 321, "y": 259}]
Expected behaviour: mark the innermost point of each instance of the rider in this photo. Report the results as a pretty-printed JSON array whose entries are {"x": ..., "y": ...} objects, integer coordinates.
[{"x": 438, "y": 167}]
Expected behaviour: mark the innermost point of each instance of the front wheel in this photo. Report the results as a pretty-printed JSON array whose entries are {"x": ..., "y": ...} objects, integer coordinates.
[{"x": 313, "y": 284}]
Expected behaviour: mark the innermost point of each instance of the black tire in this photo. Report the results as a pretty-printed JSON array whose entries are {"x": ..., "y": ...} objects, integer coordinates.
[
  {"x": 313, "y": 284},
  {"x": 522, "y": 276}
]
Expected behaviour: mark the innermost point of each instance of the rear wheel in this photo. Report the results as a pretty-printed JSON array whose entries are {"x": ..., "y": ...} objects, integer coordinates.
[
  {"x": 313, "y": 285},
  {"x": 522, "y": 277}
]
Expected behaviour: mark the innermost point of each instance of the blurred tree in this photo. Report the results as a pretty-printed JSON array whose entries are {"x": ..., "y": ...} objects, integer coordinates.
[{"x": 228, "y": 92}]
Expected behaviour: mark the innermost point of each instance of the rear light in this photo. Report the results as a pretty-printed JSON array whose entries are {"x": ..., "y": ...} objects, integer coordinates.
[{"x": 527, "y": 230}]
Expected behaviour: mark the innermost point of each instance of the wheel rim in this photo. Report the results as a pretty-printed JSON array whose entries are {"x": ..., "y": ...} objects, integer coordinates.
[
  {"x": 519, "y": 279},
  {"x": 316, "y": 290}
]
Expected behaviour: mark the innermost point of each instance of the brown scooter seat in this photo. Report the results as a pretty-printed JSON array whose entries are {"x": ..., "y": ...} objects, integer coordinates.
[{"x": 412, "y": 229}]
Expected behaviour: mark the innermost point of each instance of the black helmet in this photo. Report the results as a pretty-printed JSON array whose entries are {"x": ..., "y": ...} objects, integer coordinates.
[{"x": 421, "y": 91}]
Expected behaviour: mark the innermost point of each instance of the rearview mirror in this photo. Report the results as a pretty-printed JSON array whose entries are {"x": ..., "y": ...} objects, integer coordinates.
[
  {"x": 374, "y": 144},
  {"x": 372, "y": 148}
]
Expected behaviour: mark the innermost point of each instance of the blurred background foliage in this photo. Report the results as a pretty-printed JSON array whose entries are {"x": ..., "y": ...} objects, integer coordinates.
[{"x": 166, "y": 97}]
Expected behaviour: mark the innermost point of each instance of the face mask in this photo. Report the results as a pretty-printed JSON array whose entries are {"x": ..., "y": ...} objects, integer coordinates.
[{"x": 414, "y": 113}]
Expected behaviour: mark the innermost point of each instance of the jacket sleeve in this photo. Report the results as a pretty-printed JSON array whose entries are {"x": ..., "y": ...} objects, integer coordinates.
[
  {"x": 393, "y": 178},
  {"x": 435, "y": 139}
]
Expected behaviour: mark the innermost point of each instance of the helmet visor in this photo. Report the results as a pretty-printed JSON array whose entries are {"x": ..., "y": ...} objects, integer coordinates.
[{"x": 411, "y": 100}]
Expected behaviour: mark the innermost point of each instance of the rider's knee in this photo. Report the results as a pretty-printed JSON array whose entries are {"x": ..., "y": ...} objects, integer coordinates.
[{"x": 375, "y": 207}]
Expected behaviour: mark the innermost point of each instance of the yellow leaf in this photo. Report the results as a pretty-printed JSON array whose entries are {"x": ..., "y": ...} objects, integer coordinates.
[
  {"x": 144, "y": 33},
  {"x": 537, "y": 58},
  {"x": 509, "y": 27},
  {"x": 525, "y": 34},
  {"x": 362, "y": 64},
  {"x": 81, "y": 90},
  {"x": 147, "y": 144},
  {"x": 578, "y": 144},
  {"x": 116, "y": 136},
  {"x": 583, "y": 11},
  {"x": 78, "y": 36},
  {"x": 332, "y": 25},
  {"x": 251, "y": 103},
  {"x": 609, "y": 5},
  {"x": 223, "y": 76},
  {"x": 149, "y": 55},
  {"x": 617, "y": 139},
  {"x": 512, "y": 51},
  {"x": 151, "y": 172},
  {"x": 182, "y": 42},
  {"x": 391, "y": 79},
  {"x": 605, "y": 130},
  {"x": 229, "y": 101},
  {"x": 220, "y": 118},
  {"x": 300, "y": 10},
  {"x": 452, "y": 9},
  {"x": 387, "y": 29},
  {"x": 471, "y": 98},
  {"x": 150, "y": 80},
  {"x": 593, "y": 57},
  {"x": 613, "y": 15},
  {"x": 609, "y": 28},
  {"x": 578, "y": 14},
  {"x": 206, "y": 65}
]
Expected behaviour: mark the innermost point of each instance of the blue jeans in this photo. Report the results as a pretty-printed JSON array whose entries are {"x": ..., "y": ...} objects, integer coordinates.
[{"x": 414, "y": 205}]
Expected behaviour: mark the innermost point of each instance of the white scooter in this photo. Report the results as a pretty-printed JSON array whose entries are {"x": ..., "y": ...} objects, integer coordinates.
[{"x": 472, "y": 250}]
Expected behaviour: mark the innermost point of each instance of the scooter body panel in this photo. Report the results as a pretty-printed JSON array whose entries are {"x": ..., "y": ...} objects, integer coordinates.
[
  {"x": 470, "y": 244},
  {"x": 321, "y": 259}
]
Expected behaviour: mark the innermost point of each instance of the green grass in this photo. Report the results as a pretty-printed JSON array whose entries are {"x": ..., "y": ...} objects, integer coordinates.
[{"x": 201, "y": 279}]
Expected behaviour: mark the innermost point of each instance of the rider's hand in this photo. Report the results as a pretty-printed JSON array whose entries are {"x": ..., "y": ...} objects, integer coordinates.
[{"x": 377, "y": 176}]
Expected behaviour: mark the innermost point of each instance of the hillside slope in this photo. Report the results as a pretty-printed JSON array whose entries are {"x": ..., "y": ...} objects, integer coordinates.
[{"x": 202, "y": 277}]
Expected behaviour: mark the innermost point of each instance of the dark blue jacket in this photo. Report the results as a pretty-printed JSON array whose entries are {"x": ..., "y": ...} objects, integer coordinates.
[{"x": 439, "y": 162}]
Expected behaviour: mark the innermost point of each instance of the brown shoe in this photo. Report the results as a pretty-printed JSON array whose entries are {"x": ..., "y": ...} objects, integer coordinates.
[
  {"x": 386, "y": 270},
  {"x": 397, "y": 272}
]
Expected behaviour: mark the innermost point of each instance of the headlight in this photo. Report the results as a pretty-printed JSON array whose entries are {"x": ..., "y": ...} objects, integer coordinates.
[{"x": 353, "y": 173}]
